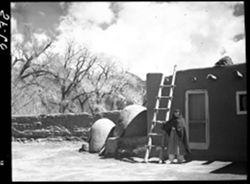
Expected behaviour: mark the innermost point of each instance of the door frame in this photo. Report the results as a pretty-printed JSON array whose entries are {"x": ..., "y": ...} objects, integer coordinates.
[{"x": 195, "y": 145}]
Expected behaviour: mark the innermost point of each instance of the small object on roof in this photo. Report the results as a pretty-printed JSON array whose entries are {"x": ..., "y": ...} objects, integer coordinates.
[
  {"x": 225, "y": 61},
  {"x": 194, "y": 79},
  {"x": 211, "y": 76},
  {"x": 239, "y": 74}
]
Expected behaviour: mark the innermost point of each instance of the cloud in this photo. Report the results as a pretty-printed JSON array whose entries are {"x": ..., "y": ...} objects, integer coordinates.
[
  {"x": 41, "y": 13},
  {"x": 13, "y": 25},
  {"x": 152, "y": 37},
  {"x": 239, "y": 9},
  {"x": 12, "y": 5},
  {"x": 62, "y": 4},
  {"x": 236, "y": 50},
  {"x": 28, "y": 40},
  {"x": 16, "y": 37},
  {"x": 41, "y": 38},
  {"x": 91, "y": 12}
]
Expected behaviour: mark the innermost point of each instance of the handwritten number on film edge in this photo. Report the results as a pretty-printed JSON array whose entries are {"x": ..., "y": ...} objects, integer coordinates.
[{"x": 3, "y": 46}]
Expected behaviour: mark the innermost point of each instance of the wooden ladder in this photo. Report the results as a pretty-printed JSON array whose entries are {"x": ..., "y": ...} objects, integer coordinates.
[{"x": 156, "y": 110}]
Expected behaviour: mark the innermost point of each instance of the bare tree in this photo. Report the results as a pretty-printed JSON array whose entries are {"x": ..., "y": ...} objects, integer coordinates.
[
  {"x": 75, "y": 80},
  {"x": 82, "y": 98},
  {"x": 25, "y": 69},
  {"x": 107, "y": 83},
  {"x": 68, "y": 74}
]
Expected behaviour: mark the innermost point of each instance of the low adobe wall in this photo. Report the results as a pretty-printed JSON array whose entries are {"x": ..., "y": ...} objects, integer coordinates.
[{"x": 57, "y": 125}]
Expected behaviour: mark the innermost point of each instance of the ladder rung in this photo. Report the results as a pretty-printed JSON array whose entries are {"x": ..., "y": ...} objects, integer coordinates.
[
  {"x": 159, "y": 121},
  {"x": 161, "y": 109},
  {"x": 153, "y": 145},
  {"x": 167, "y": 86},
  {"x": 166, "y": 97},
  {"x": 155, "y": 134}
]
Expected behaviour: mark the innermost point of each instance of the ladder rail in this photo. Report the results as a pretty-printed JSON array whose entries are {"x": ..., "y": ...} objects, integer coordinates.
[
  {"x": 157, "y": 100},
  {"x": 171, "y": 94},
  {"x": 148, "y": 150},
  {"x": 154, "y": 120}
]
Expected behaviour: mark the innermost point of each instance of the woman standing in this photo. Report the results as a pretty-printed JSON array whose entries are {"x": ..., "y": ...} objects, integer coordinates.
[{"x": 177, "y": 137}]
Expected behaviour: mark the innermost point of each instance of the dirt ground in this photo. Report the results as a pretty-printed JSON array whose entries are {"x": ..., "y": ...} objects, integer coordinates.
[{"x": 61, "y": 161}]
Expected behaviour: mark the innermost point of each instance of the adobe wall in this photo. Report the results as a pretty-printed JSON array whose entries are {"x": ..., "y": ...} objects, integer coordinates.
[
  {"x": 53, "y": 125},
  {"x": 228, "y": 131}
]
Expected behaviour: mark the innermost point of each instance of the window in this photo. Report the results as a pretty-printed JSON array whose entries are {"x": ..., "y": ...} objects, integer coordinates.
[{"x": 241, "y": 102}]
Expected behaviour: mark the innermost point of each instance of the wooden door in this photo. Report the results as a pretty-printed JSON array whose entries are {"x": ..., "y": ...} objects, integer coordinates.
[{"x": 197, "y": 117}]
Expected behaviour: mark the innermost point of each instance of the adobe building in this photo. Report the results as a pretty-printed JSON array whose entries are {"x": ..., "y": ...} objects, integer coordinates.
[{"x": 213, "y": 103}]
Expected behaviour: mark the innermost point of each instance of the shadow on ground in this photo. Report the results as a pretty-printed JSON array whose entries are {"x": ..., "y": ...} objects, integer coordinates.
[
  {"x": 233, "y": 168},
  {"x": 139, "y": 160}
]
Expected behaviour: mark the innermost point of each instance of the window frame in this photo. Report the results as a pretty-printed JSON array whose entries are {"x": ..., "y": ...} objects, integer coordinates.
[{"x": 238, "y": 111}]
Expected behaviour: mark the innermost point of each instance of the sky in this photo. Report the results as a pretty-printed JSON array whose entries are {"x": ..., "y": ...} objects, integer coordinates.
[{"x": 142, "y": 37}]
